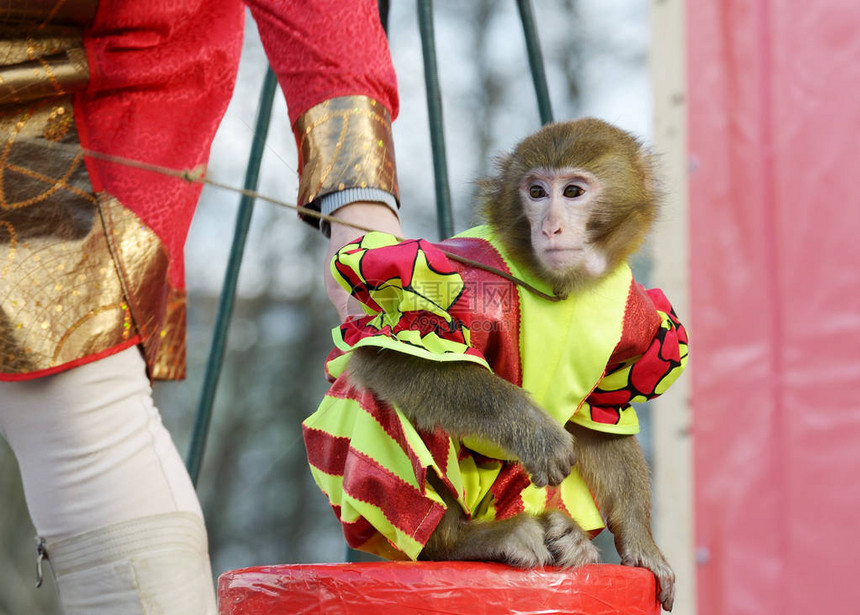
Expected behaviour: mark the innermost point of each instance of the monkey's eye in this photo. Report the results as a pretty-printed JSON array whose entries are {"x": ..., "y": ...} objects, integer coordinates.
[
  {"x": 537, "y": 192},
  {"x": 572, "y": 191}
]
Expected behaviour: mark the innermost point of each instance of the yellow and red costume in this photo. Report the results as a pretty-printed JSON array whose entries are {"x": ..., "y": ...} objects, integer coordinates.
[
  {"x": 90, "y": 250},
  {"x": 583, "y": 359}
]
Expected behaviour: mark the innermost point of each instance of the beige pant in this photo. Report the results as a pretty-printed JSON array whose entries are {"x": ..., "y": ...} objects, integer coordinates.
[{"x": 107, "y": 491}]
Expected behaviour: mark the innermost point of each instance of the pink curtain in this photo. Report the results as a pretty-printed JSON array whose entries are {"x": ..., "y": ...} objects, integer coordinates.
[{"x": 775, "y": 325}]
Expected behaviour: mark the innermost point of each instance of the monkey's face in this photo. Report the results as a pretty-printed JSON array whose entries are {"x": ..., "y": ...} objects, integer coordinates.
[
  {"x": 587, "y": 191},
  {"x": 559, "y": 205}
]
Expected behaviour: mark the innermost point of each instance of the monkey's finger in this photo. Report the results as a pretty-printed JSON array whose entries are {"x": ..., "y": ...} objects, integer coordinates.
[
  {"x": 558, "y": 475},
  {"x": 666, "y": 597},
  {"x": 560, "y": 468},
  {"x": 538, "y": 479},
  {"x": 565, "y": 467},
  {"x": 571, "y": 459},
  {"x": 665, "y": 589},
  {"x": 662, "y": 574}
]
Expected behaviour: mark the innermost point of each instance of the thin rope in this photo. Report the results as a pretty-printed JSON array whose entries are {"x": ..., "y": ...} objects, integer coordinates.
[{"x": 198, "y": 175}]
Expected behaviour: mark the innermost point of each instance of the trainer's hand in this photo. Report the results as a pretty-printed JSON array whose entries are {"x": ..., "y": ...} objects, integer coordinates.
[{"x": 377, "y": 216}]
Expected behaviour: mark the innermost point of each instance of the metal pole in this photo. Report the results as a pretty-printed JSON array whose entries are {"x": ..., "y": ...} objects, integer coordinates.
[
  {"x": 535, "y": 60},
  {"x": 445, "y": 219},
  {"x": 228, "y": 292}
]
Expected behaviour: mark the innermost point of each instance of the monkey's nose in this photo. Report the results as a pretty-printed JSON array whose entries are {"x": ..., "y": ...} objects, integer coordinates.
[{"x": 552, "y": 229}]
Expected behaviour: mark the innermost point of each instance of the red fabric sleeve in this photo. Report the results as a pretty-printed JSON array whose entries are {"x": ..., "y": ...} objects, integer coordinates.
[
  {"x": 161, "y": 75},
  {"x": 647, "y": 375},
  {"x": 322, "y": 49},
  {"x": 411, "y": 286},
  {"x": 641, "y": 322}
]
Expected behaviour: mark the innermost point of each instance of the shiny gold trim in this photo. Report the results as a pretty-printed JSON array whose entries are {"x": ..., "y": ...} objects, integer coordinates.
[
  {"x": 27, "y": 175},
  {"x": 168, "y": 363},
  {"x": 53, "y": 75},
  {"x": 60, "y": 294},
  {"x": 345, "y": 143},
  {"x": 41, "y": 48},
  {"x": 157, "y": 309},
  {"x": 41, "y": 67},
  {"x": 79, "y": 274}
]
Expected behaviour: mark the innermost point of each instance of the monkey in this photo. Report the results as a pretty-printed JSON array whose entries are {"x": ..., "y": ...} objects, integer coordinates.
[{"x": 566, "y": 209}]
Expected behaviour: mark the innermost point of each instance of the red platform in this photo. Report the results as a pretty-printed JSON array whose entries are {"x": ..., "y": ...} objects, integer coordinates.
[{"x": 436, "y": 587}]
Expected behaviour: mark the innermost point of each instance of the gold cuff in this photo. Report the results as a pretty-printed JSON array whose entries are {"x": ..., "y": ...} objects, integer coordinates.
[
  {"x": 50, "y": 62},
  {"x": 61, "y": 73},
  {"x": 345, "y": 143}
]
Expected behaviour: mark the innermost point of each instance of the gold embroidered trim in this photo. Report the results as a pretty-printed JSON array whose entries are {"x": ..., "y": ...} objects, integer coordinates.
[
  {"x": 51, "y": 75},
  {"x": 79, "y": 274},
  {"x": 60, "y": 295},
  {"x": 41, "y": 49},
  {"x": 345, "y": 143},
  {"x": 158, "y": 309}
]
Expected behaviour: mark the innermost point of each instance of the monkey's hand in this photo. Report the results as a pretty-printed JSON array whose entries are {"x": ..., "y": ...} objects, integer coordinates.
[
  {"x": 464, "y": 399},
  {"x": 637, "y": 548},
  {"x": 546, "y": 452}
]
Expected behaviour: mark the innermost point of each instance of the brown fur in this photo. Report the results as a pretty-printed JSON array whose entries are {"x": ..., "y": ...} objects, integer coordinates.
[
  {"x": 465, "y": 399},
  {"x": 628, "y": 203}
]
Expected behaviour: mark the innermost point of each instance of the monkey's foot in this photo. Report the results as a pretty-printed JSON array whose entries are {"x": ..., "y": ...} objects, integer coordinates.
[
  {"x": 523, "y": 545},
  {"x": 518, "y": 541},
  {"x": 567, "y": 542},
  {"x": 651, "y": 558}
]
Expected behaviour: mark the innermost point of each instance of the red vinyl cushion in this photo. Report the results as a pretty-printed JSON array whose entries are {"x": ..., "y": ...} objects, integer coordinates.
[{"x": 436, "y": 587}]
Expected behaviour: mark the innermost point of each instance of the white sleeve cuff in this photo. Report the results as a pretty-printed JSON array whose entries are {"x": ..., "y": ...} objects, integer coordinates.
[{"x": 335, "y": 200}]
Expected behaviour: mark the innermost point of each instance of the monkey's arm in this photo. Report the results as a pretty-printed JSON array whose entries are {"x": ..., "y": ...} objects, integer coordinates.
[
  {"x": 616, "y": 471},
  {"x": 465, "y": 399},
  {"x": 612, "y": 463}
]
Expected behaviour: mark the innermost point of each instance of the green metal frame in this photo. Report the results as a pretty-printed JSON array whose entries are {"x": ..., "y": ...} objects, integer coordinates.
[
  {"x": 444, "y": 216},
  {"x": 535, "y": 60},
  {"x": 231, "y": 278}
]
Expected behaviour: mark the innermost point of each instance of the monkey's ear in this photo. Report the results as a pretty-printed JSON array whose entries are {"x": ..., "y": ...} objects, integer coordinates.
[
  {"x": 485, "y": 185},
  {"x": 494, "y": 197},
  {"x": 647, "y": 163},
  {"x": 503, "y": 163},
  {"x": 493, "y": 186}
]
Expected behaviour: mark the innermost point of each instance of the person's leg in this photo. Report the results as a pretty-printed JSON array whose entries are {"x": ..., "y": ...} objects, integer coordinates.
[{"x": 108, "y": 492}]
